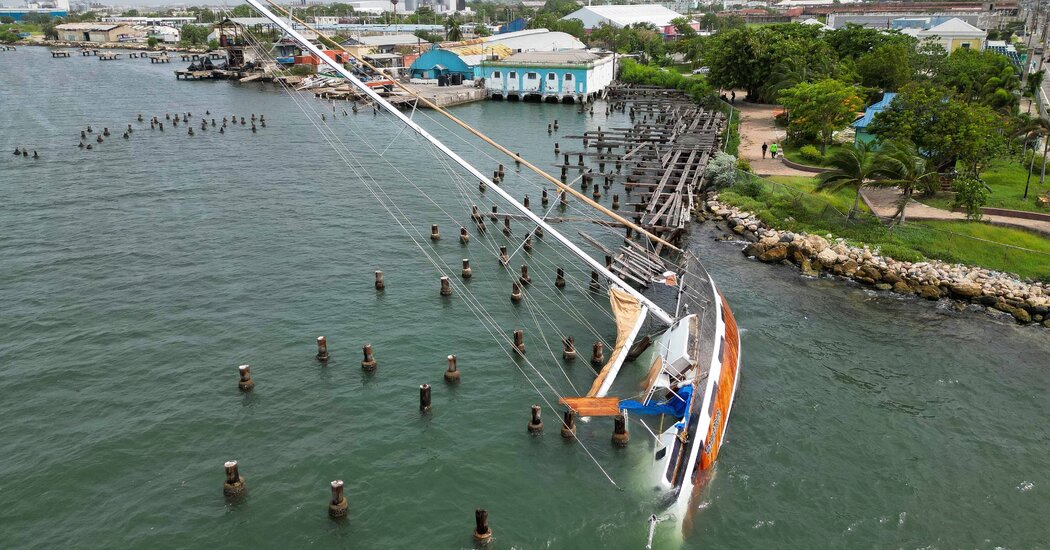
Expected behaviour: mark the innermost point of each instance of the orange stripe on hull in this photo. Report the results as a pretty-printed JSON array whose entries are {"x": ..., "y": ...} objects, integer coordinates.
[{"x": 726, "y": 387}]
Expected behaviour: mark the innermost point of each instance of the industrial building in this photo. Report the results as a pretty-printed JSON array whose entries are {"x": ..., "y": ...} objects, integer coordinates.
[
  {"x": 460, "y": 60},
  {"x": 566, "y": 76},
  {"x": 624, "y": 16},
  {"x": 55, "y": 8},
  {"x": 902, "y": 20},
  {"x": 96, "y": 32}
]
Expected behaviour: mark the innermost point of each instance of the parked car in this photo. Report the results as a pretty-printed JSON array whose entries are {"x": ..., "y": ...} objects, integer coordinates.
[{"x": 702, "y": 70}]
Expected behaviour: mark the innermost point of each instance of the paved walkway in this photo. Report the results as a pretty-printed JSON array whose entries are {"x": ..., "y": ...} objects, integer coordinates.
[
  {"x": 757, "y": 127},
  {"x": 883, "y": 202}
]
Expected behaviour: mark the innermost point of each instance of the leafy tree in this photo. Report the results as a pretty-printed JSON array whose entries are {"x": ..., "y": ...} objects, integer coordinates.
[
  {"x": 853, "y": 41},
  {"x": 7, "y": 19},
  {"x": 979, "y": 76},
  {"x": 970, "y": 195},
  {"x": 820, "y": 108},
  {"x": 945, "y": 130},
  {"x": 1035, "y": 81},
  {"x": 8, "y": 37},
  {"x": 482, "y": 30},
  {"x": 888, "y": 67},
  {"x": 852, "y": 167},
  {"x": 194, "y": 34},
  {"x": 683, "y": 28},
  {"x": 50, "y": 31},
  {"x": 900, "y": 165},
  {"x": 130, "y": 13},
  {"x": 427, "y": 36},
  {"x": 152, "y": 42},
  {"x": 560, "y": 8}
]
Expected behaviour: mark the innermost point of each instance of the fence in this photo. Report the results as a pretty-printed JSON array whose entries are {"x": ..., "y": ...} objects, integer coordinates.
[{"x": 790, "y": 208}]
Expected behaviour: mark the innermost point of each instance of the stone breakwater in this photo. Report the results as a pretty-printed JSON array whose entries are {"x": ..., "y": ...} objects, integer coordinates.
[{"x": 1026, "y": 302}]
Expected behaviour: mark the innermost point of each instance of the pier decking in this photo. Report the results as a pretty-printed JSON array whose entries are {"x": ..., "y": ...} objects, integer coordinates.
[{"x": 60, "y": 53}]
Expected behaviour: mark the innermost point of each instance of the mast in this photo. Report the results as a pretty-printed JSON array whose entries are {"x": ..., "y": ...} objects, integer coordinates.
[{"x": 338, "y": 68}]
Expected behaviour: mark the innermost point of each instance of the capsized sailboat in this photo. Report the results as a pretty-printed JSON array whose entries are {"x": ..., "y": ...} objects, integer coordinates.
[{"x": 691, "y": 383}]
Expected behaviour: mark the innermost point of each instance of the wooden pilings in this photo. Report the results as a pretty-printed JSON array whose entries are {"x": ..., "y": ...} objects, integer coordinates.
[
  {"x": 503, "y": 257},
  {"x": 464, "y": 237},
  {"x": 424, "y": 398},
  {"x": 233, "y": 487},
  {"x": 467, "y": 272},
  {"x": 595, "y": 286},
  {"x": 434, "y": 233},
  {"x": 559, "y": 280},
  {"x": 246, "y": 384},
  {"x": 380, "y": 285},
  {"x": 338, "y": 505},
  {"x": 322, "y": 349},
  {"x": 597, "y": 354},
  {"x": 569, "y": 354},
  {"x": 535, "y": 423},
  {"x": 568, "y": 425},
  {"x": 515, "y": 292},
  {"x": 452, "y": 373},
  {"x": 446, "y": 287},
  {"x": 525, "y": 280},
  {"x": 369, "y": 362},
  {"x": 519, "y": 341},
  {"x": 620, "y": 436},
  {"x": 482, "y": 533}
]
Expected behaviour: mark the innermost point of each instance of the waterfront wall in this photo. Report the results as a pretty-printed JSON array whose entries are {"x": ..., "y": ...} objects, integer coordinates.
[{"x": 1027, "y": 302}]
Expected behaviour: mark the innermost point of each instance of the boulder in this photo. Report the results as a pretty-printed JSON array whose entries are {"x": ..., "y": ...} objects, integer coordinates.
[
  {"x": 754, "y": 249},
  {"x": 903, "y": 288},
  {"x": 849, "y": 267},
  {"x": 986, "y": 300},
  {"x": 930, "y": 292},
  {"x": 738, "y": 229},
  {"x": 827, "y": 256},
  {"x": 774, "y": 253},
  {"x": 884, "y": 286},
  {"x": 965, "y": 290},
  {"x": 814, "y": 244},
  {"x": 1021, "y": 314},
  {"x": 808, "y": 269},
  {"x": 890, "y": 277}
]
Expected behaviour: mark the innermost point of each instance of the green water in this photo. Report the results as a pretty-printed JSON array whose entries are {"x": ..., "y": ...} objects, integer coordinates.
[{"x": 134, "y": 278}]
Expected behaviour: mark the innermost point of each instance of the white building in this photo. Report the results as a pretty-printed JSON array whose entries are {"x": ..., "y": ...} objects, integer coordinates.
[
  {"x": 567, "y": 75},
  {"x": 954, "y": 34},
  {"x": 623, "y": 16}
]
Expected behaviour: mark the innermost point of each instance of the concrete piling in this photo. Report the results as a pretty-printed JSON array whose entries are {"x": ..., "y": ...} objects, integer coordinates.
[
  {"x": 506, "y": 225},
  {"x": 338, "y": 506},
  {"x": 452, "y": 374},
  {"x": 464, "y": 237},
  {"x": 246, "y": 384},
  {"x": 481, "y": 186},
  {"x": 525, "y": 280},
  {"x": 526, "y": 201},
  {"x": 557, "y": 149},
  {"x": 620, "y": 436},
  {"x": 467, "y": 272},
  {"x": 434, "y": 233},
  {"x": 616, "y": 202},
  {"x": 527, "y": 245},
  {"x": 380, "y": 285},
  {"x": 597, "y": 354},
  {"x": 233, "y": 487},
  {"x": 369, "y": 362},
  {"x": 322, "y": 349},
  {"x": 515, "y": 292},
  {"x": 569, "y": 354},
  {"x": 563, "y": 199},
  {"x": 519, "y": 341},
  {"x": 535, "y": 423},
  {"x": 495, "y": 210},
  {"x": 568, "y": 425},
  {"x": 595, "y": 286},
  {"x": 424, "y": 398},
  {"x": 559, "y": 281},
  {"x": 538, "y": 232},
  {"x": 544, "y": 199},
  {"x": 555, "y": 124},
  {"x": 503, "y": 257},
  {"x": 482, "y": 533},
  {"x": 446, "y": 287},
  {"x": 474, "y": 214}
]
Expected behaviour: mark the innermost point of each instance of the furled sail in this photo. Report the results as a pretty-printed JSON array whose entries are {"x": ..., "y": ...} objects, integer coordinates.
[{"x": 629, "y": 314}]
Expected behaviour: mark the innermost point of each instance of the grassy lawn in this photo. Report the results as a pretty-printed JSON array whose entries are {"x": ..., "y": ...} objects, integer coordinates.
[
  {"x": 1006, "y": 179},
  {"x": 793, "y": 155},
  {"x": 913, "y": 242},
  {"x": 21, "y": 27}
]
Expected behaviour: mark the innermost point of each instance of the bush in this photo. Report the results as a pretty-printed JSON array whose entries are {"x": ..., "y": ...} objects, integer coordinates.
[
  {"x": 7, "y": 20},
  {"x": 722, "y": 170},
  {"x": 750, "y": 187},
  {"x": 900, "y": 253},
  {"x": 970, "y": 195},
  {"x": 7, "y": 37},
  {"x": 743, "y": 165},
  {"x": 811, "y": 153},
  {"x": 303, "y": 70},
  {"x": 151, "y": 42}
]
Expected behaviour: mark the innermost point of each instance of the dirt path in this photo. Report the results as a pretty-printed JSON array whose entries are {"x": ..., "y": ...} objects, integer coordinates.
[
  {"x": 883, "y": 202},
  {"x": 757, "y": 127}
]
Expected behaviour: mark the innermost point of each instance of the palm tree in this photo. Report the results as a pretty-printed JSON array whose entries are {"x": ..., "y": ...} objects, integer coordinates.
[
  {"x": 900, "y": 165},
  {"x": 452, "y": 30},
  {"x": 852, "y": 167}
]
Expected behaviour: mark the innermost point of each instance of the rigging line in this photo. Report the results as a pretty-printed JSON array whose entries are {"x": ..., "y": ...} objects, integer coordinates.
[
  {"x": 466, "y": 126},
  {"x": 429, "y": 257}
]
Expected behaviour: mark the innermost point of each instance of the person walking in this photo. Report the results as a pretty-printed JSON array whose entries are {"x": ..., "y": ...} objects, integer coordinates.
[
  {"x": 732, "y": 96},
  {"x": 764, "y": 147},
  {"x": 773, "y": 150}
]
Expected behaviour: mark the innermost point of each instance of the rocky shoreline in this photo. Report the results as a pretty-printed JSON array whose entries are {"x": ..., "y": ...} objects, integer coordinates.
[{"x": 1027, "y": 302}]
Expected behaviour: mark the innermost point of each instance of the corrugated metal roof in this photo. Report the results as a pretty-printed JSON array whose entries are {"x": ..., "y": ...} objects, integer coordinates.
[
  {"x": 876, "y": 108},
  {"x": 555, "y": 58},
  {"x": 625, "y": 15},
  {"x": 89, "y": 27}
]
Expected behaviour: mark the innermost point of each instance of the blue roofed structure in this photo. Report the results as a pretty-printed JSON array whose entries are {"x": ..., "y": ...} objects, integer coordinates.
[{"x": 862, "y": 123}]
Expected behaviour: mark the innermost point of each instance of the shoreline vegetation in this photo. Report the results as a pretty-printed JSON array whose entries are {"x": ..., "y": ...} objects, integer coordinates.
[{"x": 784, "y": 221}]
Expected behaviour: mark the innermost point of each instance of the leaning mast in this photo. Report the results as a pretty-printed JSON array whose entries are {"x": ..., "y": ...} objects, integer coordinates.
[{"x": 656, "y": 310}]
